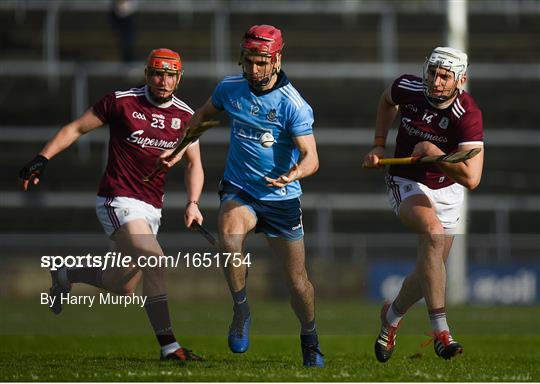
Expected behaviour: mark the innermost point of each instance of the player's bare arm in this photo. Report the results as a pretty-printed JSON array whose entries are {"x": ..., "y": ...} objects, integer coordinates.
[
  {"x": 66, "y": 136},
  {"x": 467, "y": 173},
  {"x": 69, "y": 133},
  {"x": 307, "y": 166},
  {"x": 386, "y": 114},
  {"x": 204, "y": 113},
  {"x": 194, "y": 181}
]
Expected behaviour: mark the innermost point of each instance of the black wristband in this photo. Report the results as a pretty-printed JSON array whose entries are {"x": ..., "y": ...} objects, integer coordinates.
[{"x": 192, "y": 202}]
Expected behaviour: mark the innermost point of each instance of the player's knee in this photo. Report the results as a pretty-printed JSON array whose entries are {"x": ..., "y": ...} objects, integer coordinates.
[
  {"x": 230, "y": 243},
  {"x": 434, "y": 240},
  {"x": 434, "y": 231},
  {"x": 127, "y": 289},
  {"x": 123, "y": 289}
]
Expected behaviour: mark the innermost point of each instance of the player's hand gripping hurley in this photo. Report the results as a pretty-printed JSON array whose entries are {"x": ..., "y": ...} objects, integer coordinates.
[
  {"x": 192, "y": 134},
  {"x": 456, "y": 157}
]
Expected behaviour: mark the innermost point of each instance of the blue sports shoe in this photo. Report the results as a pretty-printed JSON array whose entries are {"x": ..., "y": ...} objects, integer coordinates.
[
  {"x": 311, "y": 352},
  {"x": 239, "y": 333}
]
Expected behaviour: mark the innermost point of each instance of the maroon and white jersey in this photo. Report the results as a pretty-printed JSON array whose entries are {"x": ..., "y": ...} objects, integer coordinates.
[
  {"x": 459, "y": 123},
  {"x": 140, "y": 130}
]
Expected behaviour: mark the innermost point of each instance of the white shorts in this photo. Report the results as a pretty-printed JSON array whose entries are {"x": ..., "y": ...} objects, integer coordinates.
[
  {"x": 113, "y": 212},
  {"x": 447, "y": 201}
]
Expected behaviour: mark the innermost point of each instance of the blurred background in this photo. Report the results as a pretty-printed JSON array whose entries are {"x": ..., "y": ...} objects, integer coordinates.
[{"x": 57, "y": 58}]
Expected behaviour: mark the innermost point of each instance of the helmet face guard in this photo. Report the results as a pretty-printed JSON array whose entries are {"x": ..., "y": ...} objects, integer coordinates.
[
  {"x": 261, "y": 41},
  {"x": 260, "y": 79},
  {"x": 442, "y": 61},
  {"x": 160, "y": 61}
]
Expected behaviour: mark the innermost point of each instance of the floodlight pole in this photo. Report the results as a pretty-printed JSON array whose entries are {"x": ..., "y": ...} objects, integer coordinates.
[{"x": 456, "y": 266}]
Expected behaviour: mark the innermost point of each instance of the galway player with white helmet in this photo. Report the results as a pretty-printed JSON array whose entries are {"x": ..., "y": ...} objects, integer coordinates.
[
  {"x": 143, "y": 122},
  {"x": 437, "y": 117},
  {"x": 271, "y": 148}
]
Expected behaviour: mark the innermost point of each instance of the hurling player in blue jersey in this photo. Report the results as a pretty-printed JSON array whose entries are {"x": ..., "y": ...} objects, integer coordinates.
[{"x": 271, "y": 148}]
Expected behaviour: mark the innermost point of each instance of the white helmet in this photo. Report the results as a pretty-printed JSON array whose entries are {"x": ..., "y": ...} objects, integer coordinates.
[{"x": 447, "y": 58}]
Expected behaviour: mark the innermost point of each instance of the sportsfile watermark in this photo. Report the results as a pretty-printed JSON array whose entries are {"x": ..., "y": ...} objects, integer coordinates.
[{"x": 119, "y": 260}]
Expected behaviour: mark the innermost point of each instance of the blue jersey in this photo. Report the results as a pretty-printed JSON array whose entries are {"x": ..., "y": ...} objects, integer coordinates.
[{"x": 280, "y": 111}]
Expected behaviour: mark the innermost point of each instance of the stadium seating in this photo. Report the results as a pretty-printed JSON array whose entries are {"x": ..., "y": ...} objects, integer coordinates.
[{"x": 345, "y": 103}]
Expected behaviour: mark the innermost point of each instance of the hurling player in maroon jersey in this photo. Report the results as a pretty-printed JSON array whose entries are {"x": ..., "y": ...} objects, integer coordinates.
[
  {"x": 143, "y": 122},
  {"x": 437, "y": 117}
]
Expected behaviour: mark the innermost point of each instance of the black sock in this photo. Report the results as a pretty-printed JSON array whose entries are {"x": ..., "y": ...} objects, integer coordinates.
[
  {"x": 309, "y": 339},
  {"x": 308, "y": 328},
  {"x": 157, "y": 309},
  {"x": 88, "y": 275},
  {"x": 241, "y": 305}
]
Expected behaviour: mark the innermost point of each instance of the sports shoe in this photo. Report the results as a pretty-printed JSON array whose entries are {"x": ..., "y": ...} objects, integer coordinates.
[
  {"x": 386, "y": 341},
  {"x": 311, "y": 352},
  {"x": 56, "y": 291},
  {"x": 182, "y": 354},
  {"x": 445, "y": 346},
  {"x": 239, "y": 333}
]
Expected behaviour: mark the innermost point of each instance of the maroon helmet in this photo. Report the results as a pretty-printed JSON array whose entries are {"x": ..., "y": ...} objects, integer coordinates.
[{"x": 263, "y": 40}]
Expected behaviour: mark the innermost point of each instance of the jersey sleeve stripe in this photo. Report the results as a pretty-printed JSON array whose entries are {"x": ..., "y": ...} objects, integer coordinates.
[
  {"x": 412, "y": 82},
  {"x": 295, "y": 102},
  {"x": 180, "y": 104},
  {"x": 234, "y": 79},
  {"x": 456, "y": 111},
  {"x": 297, "y": 94},
  {"x": 459, "y": 106},
  {"x": 411, "y": 88},
  {"x": 131, "y": 90},
  {"x": 183, "y": 107},
  {"x": 126, "y": 93},
  {"x": 293, "y": 95},
  {"x": 130, "y": 94}
]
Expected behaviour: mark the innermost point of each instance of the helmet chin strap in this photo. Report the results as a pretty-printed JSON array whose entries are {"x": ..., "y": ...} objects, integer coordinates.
[
  {"x": 258, "y": 84},
  {"x": 160, "y": 100},
  {"x": 437, "y": 101}
]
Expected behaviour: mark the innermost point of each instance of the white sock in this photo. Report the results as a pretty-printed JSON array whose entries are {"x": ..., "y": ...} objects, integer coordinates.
[
  {"x": 392, "y": 317},
  {"x": 169, "y": 348},
  {"x": 438, "y": 320}
]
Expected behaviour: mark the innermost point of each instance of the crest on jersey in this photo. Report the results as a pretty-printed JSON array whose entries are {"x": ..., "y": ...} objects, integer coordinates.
[
  {"x": 271, "y": 116},
  {"x": 443, "y": 124},
  {"x": 176, "y": 123}
]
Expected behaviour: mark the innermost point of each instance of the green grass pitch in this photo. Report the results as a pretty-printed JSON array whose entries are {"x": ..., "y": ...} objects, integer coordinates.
[{"x": 108, "y": 343}]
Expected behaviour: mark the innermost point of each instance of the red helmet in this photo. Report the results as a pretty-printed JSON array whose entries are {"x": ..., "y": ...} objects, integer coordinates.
[
  {"x": 263, "y": 40},
  {"x": 163, "y": 59}
]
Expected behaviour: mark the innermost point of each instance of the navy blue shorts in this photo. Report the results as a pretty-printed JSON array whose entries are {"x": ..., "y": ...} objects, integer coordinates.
[{"x": 282, "y": 218}]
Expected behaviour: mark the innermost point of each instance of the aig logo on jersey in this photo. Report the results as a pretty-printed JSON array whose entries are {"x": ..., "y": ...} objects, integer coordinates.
[
  {"x": 443, "y": 124},
  {"x": 176, "y": 123}
]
